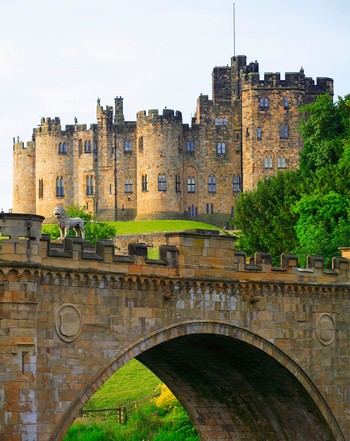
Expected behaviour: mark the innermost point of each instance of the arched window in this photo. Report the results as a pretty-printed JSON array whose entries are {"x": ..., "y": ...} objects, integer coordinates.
[
  {"x": 220, "y": 121},
  {"x": 191, "y": 185},
  {"x": 270, "y": 162},
  {"x": 161, "y": 182},
  {"x": 236, "y": 183},
  {"x": 285, "y": 131},
  {"x": 216, "y": 121},
  {"x": 60, "y": 147},
  {"x": 285, "y": 103},
  {"x": 41, "y": 188},
  {"x": 211, "y": 184},
  {"x": 64, "y": 147},
  {"x": 266, "y": 162},
  {"x": 225, "y": 121},
  {"x": 90, "y": 184},
  {"x": 278, "y": 162},
  {"x": 128, "y": 185},
  {"x": 283, "y": 162},
  {"x": 95, "y": 146},
  {"x": 59, "y": 186}
]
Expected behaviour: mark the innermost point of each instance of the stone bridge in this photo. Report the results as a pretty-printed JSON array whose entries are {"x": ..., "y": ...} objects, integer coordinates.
[{"x": 252, "y": 351}]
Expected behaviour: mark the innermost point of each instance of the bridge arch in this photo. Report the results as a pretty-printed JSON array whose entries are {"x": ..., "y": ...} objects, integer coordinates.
[{"x": 232, "y": 383}]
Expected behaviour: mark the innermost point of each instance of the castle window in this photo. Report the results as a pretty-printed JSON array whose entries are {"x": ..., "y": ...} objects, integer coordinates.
[
  {"x": 128, "y": 185},
  {"x": 127, "y": 147},
  {"x": 190, "y": 147},
  {"x": 192, "y": 211},
  {"x": 141, "y": 144},
  {"x": 87, "y": 147},
  {"x": 211, "y": 184},
  {"x": 207, "y": 208},
  {"x": 216, "y": 121},
  {"x": 258, "y": 133},
  {"x": 211, "y": 208},
  {"x": 225, "y": 121},
  {"x": 161, "y": 182},
  {"x": 221, "y": 148},
  {"x": 263, "y": 103},
  {"x": 41, "y": 188},
  {"x": 144, "y": 183},
  {"x": 59, "y": 187},
  {"x": 62, "y": 148},
  {"x": 268, "y": 163},
  {"x": 285, "y": 103},
  {"x": 95, "y": 146},
  {"x": 177, "y": 184},
  {"x": 284, "y": 131},
  {"x": 90, "y": 185},
  {"x": 281, "y": 162},
  {"x": 236, "y": 183},
  {"x": 191, "y": 185}
]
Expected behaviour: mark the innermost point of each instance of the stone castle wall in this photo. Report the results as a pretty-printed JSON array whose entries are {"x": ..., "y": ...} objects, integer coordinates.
[{"x": 246, "y": 132}]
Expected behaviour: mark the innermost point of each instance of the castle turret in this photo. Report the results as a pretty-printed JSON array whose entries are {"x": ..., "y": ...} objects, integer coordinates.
[
  {"x": 24, "y": 191},
  {"x": 159, "y": 164}
]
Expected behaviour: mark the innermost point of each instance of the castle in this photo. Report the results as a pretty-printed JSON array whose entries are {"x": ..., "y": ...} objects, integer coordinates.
[{"x": 157, "y": 167}]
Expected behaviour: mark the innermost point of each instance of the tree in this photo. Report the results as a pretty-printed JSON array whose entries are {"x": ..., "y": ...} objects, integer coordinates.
[
  {"x": 323, "y": 225},
  {"x": 324, "y": 129},
  {"x": 305, "y": 211},
  {"x": 264, "y": 216}
]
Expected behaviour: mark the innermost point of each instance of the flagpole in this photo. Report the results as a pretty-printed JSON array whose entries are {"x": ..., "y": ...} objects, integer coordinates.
[{"x": 234, "y": 29}]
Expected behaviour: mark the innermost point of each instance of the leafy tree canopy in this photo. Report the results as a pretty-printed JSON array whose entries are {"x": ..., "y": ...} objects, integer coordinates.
[{"x": 306, "y": 211}]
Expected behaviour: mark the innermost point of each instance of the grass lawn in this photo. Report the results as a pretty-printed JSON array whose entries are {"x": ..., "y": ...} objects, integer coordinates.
[{"x": 153, "y": 226}]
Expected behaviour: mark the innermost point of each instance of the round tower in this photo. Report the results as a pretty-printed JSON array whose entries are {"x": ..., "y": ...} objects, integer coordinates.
[
  {"x": 159, "y": 164},
  {"x": 23, "y": 196},
  {"x": 54, "y": 167}
]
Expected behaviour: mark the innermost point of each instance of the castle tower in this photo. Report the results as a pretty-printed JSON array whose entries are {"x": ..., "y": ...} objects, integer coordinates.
[
  {"x": 159, "y": 164},
  {"x": 270, "y": 118},
  {"x": 24, "y": 191},
  {"x": 53, "y": 167}
]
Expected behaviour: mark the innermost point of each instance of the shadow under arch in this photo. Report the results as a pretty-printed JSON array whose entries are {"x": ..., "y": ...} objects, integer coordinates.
[{"x": 233, "y": 384}]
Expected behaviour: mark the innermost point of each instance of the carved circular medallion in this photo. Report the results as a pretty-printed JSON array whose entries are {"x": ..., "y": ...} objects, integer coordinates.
[
  {"x": 325, "y": 329},
  {"x": 68, "y": 323}
]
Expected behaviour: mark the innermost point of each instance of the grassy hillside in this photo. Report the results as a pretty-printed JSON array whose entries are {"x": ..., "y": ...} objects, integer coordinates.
[
  {"x": 130, "y": 383},
  {"x": 161, "y": 419}
]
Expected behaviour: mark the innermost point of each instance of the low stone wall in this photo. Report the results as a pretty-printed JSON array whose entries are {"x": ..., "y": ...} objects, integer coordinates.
[{"x": 151, "y": 239}]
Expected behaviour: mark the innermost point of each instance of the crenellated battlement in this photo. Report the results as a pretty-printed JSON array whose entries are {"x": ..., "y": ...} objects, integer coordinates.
[
  {"x": 154, "y": 115},
  {"x": 293, "y": 80},
  {"x": 199, "y": 254}
]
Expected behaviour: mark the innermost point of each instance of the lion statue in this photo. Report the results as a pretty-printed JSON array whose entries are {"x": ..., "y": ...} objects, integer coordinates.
[{"x": 66, "y": 223}]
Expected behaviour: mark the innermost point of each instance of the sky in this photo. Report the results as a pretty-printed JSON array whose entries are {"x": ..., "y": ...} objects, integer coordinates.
[{"x": 58, "y": 57}]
